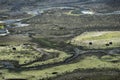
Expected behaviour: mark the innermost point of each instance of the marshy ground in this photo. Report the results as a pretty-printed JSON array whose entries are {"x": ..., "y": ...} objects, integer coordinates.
[{"x": 61, "y": 46}]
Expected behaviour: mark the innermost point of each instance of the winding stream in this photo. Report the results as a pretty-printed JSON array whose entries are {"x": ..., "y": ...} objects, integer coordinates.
[
  {"x": 18, "y": 22},
  {"x": 40, "y": 11}
]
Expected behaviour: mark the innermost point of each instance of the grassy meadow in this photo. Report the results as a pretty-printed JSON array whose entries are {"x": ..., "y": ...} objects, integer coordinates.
[{"x": 98, "y": 40}]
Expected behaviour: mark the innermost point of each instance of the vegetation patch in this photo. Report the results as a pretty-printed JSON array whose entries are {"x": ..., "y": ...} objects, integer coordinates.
[
  {"x": 62, "y": 56},
  {"x": 45, "y": 42},
  {"x": 76, "y": 12},
  {"x": 87, "y": 63},
  {"x": 23, "y": 54},
  {"x": 73, "y": 13},
  {"x": 14, "y": 40},
  {"x": 98, "y": 40},
  {"x": 2, "y": 27},
  {"x": 111, "y": 58}
]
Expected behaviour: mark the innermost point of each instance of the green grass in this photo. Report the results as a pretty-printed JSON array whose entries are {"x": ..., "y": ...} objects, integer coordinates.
[
  {"x": 2, "y": 27},
  {"x": 62, "y": 56},
  {"x": 87, "y": 63},
  {"x": 110, "y": 58},
  {"x": 27, "y": 54},
  {"x": 21, "y": 54},
  {"x": 45, "y": 42},
  {"x": 98, "y": 39}
]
